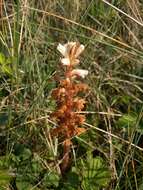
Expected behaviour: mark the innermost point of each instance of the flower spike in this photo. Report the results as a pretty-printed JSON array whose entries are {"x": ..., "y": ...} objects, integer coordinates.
[{"x": 68, "y": 102}]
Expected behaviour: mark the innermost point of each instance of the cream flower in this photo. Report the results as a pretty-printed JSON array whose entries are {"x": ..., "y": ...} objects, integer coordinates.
[
  {"x": 62, "y": 49},
  {"x": 70, "y": 52},
  {"x": 65, "y": 61},
  {"x": 79, "y": 50},
  {"x": 66, "y": 48},
  {"x": 80, "y": 72}
]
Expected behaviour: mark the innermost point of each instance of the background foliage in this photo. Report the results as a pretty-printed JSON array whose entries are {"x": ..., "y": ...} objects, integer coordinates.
[{"x": 110, "y": 154}]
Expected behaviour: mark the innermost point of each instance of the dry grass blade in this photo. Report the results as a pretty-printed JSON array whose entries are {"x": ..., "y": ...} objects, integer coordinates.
[
  {"x": 119, "y": 10},
  {"x": 81, "y": 25},
  {"x": 115, "y": 136}
]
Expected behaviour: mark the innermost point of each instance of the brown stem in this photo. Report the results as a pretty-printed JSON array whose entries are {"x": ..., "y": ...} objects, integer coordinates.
[
  {"x": 66, "y": 156},
  {"x": 1, "y": 7}
]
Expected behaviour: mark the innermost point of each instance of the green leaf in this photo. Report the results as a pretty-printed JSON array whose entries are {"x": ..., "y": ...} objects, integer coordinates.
[
  {"x": 51, "y": 179},
  {"x": 73, "y": 179},
  {"x": 2, "y": 59},
  {"x": 126, "y": 99},
  {"x": 23, "y": 152},
  {"x": 127, "y": 120},
  {"x": 5, "y": 177},
  {"x": 22, "y": 185},
  {"x": 6, "y": 69},
  {"x": 26, "y": 154},
  {"x": 95, "y": 174},
  {"x": 5, "y": 65},
  {"x": 68, "y": 188}
]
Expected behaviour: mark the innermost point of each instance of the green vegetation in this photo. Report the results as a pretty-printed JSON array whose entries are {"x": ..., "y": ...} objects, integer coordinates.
[{"x": 109, "y": 155}]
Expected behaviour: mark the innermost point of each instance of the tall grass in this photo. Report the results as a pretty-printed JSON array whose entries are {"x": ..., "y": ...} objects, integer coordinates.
[{"x": 109, "y": 155}]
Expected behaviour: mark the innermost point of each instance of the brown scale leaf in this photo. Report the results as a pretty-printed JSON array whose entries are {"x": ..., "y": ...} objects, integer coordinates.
[
  {"x": 80, "y": 130},
  {"x": 78, "y": 104},
  {"x": 65, "y": 83},
  {"x": 80, "y": 88},
  {"x": 80, "y": 119},
  {"x": 57, "y": 92}
]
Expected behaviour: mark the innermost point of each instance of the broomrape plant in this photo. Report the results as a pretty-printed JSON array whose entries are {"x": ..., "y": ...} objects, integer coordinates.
[{"x": 68, "y": 102}]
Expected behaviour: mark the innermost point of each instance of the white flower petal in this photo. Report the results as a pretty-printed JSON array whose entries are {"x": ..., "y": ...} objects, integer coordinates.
[
  {"x": 70, "y": 44},
  {"x": 68, "y": 47},
  {"x": 65, "y": 61},
  {"x": 80, "y": 72},
  {"x": 76, "y": 61},
  {"x": 79, "y": 50},
  {"x": 62, "y": 49}
]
